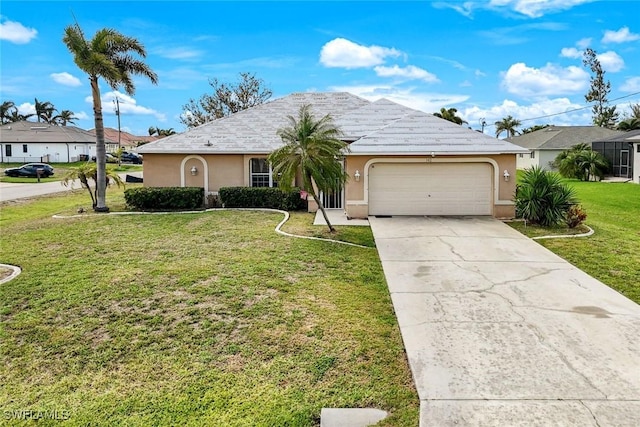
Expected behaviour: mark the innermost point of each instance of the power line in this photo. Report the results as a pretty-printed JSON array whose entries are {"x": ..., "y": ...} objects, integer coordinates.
[{"x": 571, "y": 111}]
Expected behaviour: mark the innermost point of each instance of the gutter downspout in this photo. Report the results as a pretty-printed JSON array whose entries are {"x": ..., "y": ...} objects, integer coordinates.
[{"x": 68, "y": 158}]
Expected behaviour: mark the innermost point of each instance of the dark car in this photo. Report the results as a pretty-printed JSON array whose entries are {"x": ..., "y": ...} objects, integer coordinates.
[
  {"x": 129, "y": 157},
  {"x": 110, "y": 158},
  {"x": 30, "y": 170}
]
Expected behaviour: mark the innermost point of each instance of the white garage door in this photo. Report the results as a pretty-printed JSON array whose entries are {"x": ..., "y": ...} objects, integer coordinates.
[{"x": 430, "y": 189}]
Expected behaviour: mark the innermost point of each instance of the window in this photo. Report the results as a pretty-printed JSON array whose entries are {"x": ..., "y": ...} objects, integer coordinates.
[
  {"x": 24, "y": 148},
  {"x": 7, "y": 150},
  {"x": 638, "y": 148},
  {"x": 261, "y": 174},
  {"x": 533, "y": 155},
  {"x": 521, "y": 155}
]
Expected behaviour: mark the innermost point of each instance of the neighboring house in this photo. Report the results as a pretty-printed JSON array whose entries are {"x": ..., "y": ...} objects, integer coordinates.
[
  {"x": 23, "y": 142},
  {"x": 401, "y": 161},
  {"x": 623, "y": 153},
  {"x": 128, "y": 141},
  {"x": 544, "y": 145}
]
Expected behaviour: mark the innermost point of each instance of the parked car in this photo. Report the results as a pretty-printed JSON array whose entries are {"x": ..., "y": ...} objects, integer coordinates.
[
  {"x": 110, "y": 158},
  {"x": 129, "y": 157},
  {"x": 30, "y": 170}
]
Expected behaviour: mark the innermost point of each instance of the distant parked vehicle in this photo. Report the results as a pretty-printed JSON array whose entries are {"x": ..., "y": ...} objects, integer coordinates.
[
  {"x": 110, "y": 158},
  {"x": 30, "y": 170},
  {"x": 129, "y": 157}
]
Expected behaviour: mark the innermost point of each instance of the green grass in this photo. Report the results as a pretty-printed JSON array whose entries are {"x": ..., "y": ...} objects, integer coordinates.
[
  {"x": 195, "y": 319},
  {"x": 60, "y": 170},
  {"x": 612, "y": 254}
]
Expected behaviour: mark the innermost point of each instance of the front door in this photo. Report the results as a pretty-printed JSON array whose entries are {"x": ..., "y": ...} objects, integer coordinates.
[{"x": 624, "y": 163}]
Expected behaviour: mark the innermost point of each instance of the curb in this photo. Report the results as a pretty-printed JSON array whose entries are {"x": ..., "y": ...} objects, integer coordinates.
[
  {"x": 16, "y": 271},
  {"x": 566, "y": 236}
]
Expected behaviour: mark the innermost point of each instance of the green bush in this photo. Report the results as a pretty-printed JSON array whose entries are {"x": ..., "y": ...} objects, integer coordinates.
[
  {"x": 261, "y": 197},
  {"x": 542, "y": 198},
  {"x": 164, "y": 198}
]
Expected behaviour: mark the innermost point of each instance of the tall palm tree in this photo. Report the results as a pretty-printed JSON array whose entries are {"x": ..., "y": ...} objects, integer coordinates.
[
  {"x": 5, "y": 112},
  {"x": 108, "y": 55},
  {"x": 450, "y": 115},
  {"x": 15, "y": 116},
  {"x": 65, "y": 117},
  {"x": 509, "y": 125},
  {"x": 44, "y": 110},
  {"x": 312, "y": 148},
  {"x": 153, "y": 130}
]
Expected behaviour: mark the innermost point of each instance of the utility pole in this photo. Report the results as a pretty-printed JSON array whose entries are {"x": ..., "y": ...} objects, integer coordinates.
[
  {"x": 483, "y": 123},
  {"x": 117, "y": 103}
]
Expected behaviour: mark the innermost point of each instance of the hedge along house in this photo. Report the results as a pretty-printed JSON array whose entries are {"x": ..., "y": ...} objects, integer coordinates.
[
  {"x": 622, "y": 151},
  {"x": 401, "y": 161}
]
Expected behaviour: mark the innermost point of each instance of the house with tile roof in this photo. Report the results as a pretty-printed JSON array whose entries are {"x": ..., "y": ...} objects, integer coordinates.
[
  {"x": 544, "y": 145},
  {"x": 401, "y": 161}
]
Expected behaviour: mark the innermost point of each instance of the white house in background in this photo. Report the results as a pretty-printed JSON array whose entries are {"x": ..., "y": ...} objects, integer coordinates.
[
  {"x": 23, "y": 142},
  {"x": 544, "y": 145}
]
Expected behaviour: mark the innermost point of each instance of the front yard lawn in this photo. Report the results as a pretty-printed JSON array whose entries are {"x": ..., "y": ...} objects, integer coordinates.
[
  {"x": 194, "y": 319},
  {"x": 612, "y": 254}
]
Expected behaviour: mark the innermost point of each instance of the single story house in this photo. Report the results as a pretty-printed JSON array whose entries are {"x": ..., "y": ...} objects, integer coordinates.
[
  {"x": 128, "y": 141},
  {"x": 623, "y": 153},
  {"x": 544, "y": 145},
  {"x": 401, "y": 161},
  {"x": 23, "y": 142}
]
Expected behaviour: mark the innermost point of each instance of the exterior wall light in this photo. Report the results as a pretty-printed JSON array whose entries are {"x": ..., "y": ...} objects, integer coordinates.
[
  {"x": 194, "y": 171},
  {"x": 506, "y": 175},
  {"x": 357, "y": 175}
]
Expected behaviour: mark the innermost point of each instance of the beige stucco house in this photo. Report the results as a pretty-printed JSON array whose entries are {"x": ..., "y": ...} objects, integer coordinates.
[{"x": 401, "y": 161}]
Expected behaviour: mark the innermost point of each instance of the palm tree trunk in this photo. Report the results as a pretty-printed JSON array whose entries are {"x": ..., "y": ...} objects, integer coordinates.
[
  {"x": 101, "y": 181},
  {"x": 318, "y": 200}
]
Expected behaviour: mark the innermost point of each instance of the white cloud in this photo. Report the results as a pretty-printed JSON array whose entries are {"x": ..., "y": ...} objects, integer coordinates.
[
  {"x": 128, "y": 105},
  {"x": 82, "y": 115},
  {"x": 584, "y": 43},
  {"x": 611, "y": 61},
  {"x": 423, "y": 101},
  {"x": 525, "y": 113},
  {"x": 620, "y": 36},
  {"x": 26, "y": 108},
  {"x": 631, "y": 85},
  {"x": 15, "y": 32},
  {"x": 571, "y": 52},
  {"x": 536, "y": 8},
  {"x": 347, "y": 54},
  {"x": 65, "y": 79},
  {"x": 551, "y": 80},
  {"x": 180, "y": 53},
  {"x": 409, "y": 72}
]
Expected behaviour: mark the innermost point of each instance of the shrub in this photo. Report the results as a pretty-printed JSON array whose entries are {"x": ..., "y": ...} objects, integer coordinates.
[
  {"x": 261, "y": 197},
  {"x": 582, "y": 163},
  {"x": 575, "y": 216},
  {"x": 542, "y": 198},
  {"x": 164, "y": 198}
]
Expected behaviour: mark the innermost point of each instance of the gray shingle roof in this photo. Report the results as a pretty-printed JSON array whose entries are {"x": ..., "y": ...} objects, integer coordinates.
[
  {"x": 630, "y": 136},
  {"x": 381, "y": 127},
  {"x": 24, "y": 132},
  {"x": 561, "y": 137}
]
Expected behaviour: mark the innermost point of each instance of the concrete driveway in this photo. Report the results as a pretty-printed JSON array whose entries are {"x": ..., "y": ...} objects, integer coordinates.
[{"x": 499, "y": 331}]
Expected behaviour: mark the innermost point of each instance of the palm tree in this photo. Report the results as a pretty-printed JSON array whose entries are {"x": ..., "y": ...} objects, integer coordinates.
[
  {"x": 508, "y": 124},
  {"x": 629, "y": 124},
  {"x": 581, "y": 162},
  {"x": 65, "y": 117},
  {"x": 153, "y": 130},
  {"x": 450, "y": 115},
  {"x": 88, "y": 171},
  {"x": 44, "y": 110},
  {"x": 4, "y": 111},
  {"x": 15, "y": 116},
  {"x": 108, "y": 55},
  {"x": 312, "y": 148}
]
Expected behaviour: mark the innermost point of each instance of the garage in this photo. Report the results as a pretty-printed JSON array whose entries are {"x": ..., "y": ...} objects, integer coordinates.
[{"x": 430, "y": 189}]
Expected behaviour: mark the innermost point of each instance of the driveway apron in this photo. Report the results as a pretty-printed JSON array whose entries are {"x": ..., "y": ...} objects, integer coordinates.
[{"x": 499, "y": 331}]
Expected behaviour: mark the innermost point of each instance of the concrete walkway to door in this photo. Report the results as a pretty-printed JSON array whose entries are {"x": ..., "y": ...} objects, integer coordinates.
[{"x": 499, "y": 331}]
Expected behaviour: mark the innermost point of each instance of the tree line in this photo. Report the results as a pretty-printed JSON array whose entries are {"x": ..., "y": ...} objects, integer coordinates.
[{"x": 45, "y": 113}]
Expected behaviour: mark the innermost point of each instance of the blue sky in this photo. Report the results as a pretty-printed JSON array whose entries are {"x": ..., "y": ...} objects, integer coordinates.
[{"x": 488, "y": 59}]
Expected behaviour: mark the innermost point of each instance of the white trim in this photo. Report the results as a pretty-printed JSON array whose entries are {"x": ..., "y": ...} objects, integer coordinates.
[
  {"x": 496, "y": 173},
  {"x": 205, "y": 166}
]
